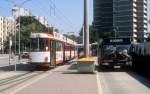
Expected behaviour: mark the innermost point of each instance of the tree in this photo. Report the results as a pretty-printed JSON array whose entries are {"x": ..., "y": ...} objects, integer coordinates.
[
  {"x": 73, "y": 37},
  {"x": 93, "y": 36},
  {"x": 28, "y": 24}
]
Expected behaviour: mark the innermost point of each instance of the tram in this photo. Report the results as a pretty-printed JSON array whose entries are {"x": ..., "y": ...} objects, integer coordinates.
[{"x": 49, "y": 50}]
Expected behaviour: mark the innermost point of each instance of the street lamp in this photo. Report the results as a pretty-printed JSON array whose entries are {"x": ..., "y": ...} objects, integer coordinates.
[
  {"x": 19, "y": 21},
  {"x": 21, "y": 4}
]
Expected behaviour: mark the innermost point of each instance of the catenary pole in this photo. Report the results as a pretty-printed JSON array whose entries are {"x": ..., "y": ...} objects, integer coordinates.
[{"x": 86, "y": 29}]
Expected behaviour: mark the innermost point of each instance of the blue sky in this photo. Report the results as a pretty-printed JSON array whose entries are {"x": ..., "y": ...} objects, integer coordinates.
[{"x": 67, "y": 16}]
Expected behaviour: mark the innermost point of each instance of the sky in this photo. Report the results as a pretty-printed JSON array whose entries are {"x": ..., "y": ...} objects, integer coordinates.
[{"x": 66, "y": 15}]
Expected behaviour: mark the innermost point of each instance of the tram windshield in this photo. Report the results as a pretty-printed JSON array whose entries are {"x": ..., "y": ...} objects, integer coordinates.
[{"x": 39, "y": 44}]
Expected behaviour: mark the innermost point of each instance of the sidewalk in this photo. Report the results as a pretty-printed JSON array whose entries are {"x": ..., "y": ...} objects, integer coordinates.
[{"x": 65, "y": 80}]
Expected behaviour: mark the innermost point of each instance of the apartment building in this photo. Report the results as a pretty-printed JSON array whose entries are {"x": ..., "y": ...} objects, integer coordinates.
[
  {"x": 127, "y": 17},
  {"x": 7, "y": 26},
  {"x": 20, "y": 11}
]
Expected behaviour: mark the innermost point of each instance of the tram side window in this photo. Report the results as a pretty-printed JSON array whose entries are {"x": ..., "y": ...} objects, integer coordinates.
[
  {"x": 59, "y": 46},
  {"x": 67, "y": 47}
]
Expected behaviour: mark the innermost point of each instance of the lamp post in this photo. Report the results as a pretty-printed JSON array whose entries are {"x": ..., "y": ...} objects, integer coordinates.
[
  {"x": 19, "y": 21},
  {"x": 86, "y": 29},
  {"x": 10, "y": 1}
]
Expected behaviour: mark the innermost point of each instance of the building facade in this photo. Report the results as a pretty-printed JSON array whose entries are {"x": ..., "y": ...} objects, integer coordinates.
[
  {"x": 127, "y": 17},
  {"x": 42, "y": 20},
  {"x": 20, "y": 11},
  {"x": 7, "y": 26},
  {"x": 1, "y": 33},
  {"x": 103, "y": 15}
]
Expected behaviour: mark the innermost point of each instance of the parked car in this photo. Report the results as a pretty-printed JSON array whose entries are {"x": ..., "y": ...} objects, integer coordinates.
[{"x": 25, "y": 55}]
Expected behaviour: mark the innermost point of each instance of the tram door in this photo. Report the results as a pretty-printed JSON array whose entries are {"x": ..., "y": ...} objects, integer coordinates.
[{"x": 53, "y": 53}]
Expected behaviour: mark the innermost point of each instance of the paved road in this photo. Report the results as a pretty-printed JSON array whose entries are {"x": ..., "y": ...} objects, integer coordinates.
[
  {"x": 10, "y": 80},
  {"x": 64, "y": 80},
  {"x": 4, "y": 60},
  {"x": 123, "y": 82}
]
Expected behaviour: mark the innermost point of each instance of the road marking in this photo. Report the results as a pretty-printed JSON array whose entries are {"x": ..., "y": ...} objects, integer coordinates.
[
  {"x": 100, "y": 91},
  {"x": 4, "y": 57},
  {"x": 36, "y": 80}
]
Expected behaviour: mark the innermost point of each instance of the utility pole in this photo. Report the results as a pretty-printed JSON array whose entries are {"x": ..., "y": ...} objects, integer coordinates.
[
  {"x": 86, "y": 29},
  {"x": 83, "y": 34},
  {"x": 15, "y": 38},
  {"x": 19, "y": 36},
  {"x": 10, "y": 44}
]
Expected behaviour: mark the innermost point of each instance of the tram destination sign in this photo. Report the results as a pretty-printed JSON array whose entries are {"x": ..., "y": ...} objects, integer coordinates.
[{"x": 116, "y": 41}]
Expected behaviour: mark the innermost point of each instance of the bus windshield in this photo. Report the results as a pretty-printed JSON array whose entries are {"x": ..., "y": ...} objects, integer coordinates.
[
  {"x": 39, "y": 44},
  {"x": 108, "y": 49},
  {"x": 122, "y": 50}
]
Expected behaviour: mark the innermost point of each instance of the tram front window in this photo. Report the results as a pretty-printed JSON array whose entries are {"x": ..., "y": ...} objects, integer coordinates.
[{"x": 39, "y": 44}]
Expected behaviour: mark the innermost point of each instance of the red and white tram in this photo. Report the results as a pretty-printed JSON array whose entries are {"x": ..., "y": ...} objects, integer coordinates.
[{"x": 50, "y": 50}]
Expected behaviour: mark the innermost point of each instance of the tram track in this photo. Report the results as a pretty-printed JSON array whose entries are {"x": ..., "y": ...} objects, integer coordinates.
[{"x": 12, "y": 82}]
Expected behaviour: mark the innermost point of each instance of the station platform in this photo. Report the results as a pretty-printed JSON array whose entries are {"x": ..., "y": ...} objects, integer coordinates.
[{"x": 62, "y": 80}]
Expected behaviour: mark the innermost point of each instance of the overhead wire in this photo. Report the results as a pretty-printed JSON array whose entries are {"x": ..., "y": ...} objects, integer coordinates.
[
  {"x": 61, "y": 12},
  {"x": 65, "y": 19},
  {"x": 65, "y": 22},
  {"x": 55, "y": 19}
]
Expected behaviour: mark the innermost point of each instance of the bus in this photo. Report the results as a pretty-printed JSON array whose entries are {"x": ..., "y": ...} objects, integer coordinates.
[{"x": 114, "y": 52}]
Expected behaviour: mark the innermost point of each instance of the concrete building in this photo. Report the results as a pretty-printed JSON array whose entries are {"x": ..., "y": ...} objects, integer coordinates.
[
  {"x": 127, "y": 17},
  {"x": 1, "y": 33},
  {"x": 42, "y": 20},
  {"x": 7, "y": 26},
  {"x": 20, "y": 11}
]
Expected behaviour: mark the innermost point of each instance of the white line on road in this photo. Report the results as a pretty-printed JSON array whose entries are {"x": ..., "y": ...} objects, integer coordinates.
[
  {"x": 4, "y": 57},
  {"x": 100, "y": 91},
  {"x": 36, "y": 80}
]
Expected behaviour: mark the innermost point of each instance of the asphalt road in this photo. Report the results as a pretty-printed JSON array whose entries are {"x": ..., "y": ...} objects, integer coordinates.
[
  {"x": 63, "y": 80},
  {"x": 119, "y": 81},
  {"x": 66, "y": 80},
  {"x": 4, "y": 60},
  {"x": 10, "y": 79}
]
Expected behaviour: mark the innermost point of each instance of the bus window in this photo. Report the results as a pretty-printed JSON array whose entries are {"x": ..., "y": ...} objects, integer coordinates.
[{"x": 123, "y": 50}]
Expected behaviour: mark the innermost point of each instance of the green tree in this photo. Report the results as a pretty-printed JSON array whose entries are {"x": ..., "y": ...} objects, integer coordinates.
[
  {"x": 73, "y": 37},
  {"x": 28, "y": 25},
  {"x": 93, "y": 36}
]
